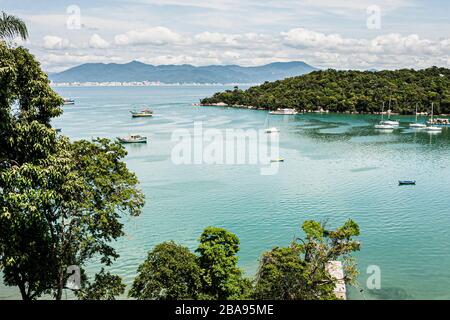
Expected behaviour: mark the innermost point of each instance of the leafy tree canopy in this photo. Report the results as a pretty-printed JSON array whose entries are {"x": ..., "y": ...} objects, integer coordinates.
[
  {"x": 222, "y": 279},
  {"x": 171, "y": 272},
  {"x": 299, "y": 271},
  {"x": 106, "y": 286},
  {"x": 60, "y": 201}
]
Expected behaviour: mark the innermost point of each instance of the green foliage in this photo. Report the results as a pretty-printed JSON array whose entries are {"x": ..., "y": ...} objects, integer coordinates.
[
  {"x": 60, "y": 201},
  {"x": 171, "y": 272},
  {"x": 105, "y": 287},
  {"x": 11, "y": 27},
  {"x": 349, "y": 91},
  {"x": 298, "y": 272},
  {"x": 222, "y": 279},
  {"x": 27, "y": 104},
  {"x": 281, "y": 275}
]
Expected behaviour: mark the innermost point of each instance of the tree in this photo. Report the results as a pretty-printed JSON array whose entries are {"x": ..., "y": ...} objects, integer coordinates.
[
  {"x": 221, "y": 277},
  {"x": 60, "y": 201},
  {"x": 105, "y": 287},
  {"x": 298, "y": 272},
  {"x": 11, "y": 26},
  {"x": 170, "y": 272}
]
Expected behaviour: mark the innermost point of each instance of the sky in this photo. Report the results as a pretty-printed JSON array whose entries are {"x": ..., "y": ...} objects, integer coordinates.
[{"x": 359, "y": 34}]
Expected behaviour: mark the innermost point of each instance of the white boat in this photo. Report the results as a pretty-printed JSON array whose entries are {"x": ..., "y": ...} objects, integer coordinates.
[
  {"x": 391, "y": 123},
  {"x": 272, "y": 130},
  {"x": 384, "y": 125},
  {"x": 68, "y": 101},
  {"x": 417, "y": 125},
  {"x": 134, "y": 138},
  {"x": 279, "y": 159},
  {"x": 432, "y": 128},
  {"x": 440, "y": 122},
  {"x": 142, "y": 114},
  {"x": 285, "y": 111}
]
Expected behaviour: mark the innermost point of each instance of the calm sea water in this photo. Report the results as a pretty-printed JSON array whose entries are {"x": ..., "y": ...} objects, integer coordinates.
[{"x": 337, "y": 167}]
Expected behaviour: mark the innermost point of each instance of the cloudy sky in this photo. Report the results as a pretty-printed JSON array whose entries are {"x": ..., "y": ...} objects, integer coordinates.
[{"x": 360, "y": 34}]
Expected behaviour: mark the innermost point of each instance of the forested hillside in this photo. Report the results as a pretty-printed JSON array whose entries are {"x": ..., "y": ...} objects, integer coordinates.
[{"x": 349, "y": 91}]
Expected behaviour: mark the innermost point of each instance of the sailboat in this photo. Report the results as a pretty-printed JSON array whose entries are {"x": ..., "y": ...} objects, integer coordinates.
[
  {"x": 417, "y": 125},
  {"x": 390, "y": 122},
  {"x": 383, "y": 125},
  {"x": 431, "y": 127},
  {"x": 272, "y": 129}
]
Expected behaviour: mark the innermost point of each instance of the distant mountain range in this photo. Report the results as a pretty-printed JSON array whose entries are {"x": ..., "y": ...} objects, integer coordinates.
[{"x": 138, "y": 71}]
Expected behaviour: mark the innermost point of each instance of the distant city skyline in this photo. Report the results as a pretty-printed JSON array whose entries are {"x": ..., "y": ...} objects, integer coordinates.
[{"x": 337, "y": 34}]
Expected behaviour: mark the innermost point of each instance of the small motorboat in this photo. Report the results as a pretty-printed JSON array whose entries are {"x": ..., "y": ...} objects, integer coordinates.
[
  {"x": 142, "y": 114},
  {"x": 272, "y": 130},
  {"x": 68, "y": 101},
  {"x": 439, "y": 122},
  {"x": 134, "y": 138},
  {"x": 58, "y": 130},
  {"x": 285, "y": 111},
  {"x": 279, "y": 159},
  {"x": 406, "y": 182}
]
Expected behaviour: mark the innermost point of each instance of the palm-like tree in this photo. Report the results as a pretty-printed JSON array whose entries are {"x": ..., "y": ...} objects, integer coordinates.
[{"x": 11, "y": 27}]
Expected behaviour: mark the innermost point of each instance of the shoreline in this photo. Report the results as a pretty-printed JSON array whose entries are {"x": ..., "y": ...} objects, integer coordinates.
[
  {"x": 144, "y": 84},
  {"x": 320, "y": 111}
]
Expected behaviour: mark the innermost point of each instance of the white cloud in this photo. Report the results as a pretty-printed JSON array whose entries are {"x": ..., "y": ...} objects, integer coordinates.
[
  {"x": 195, "y": 57},
  {"x": 303, "y": 38},
  {"x": 59, "y": 62},
  {"x": 55, "y": 43},
  {"x": 216, "y": 38},
  {"x": 98, "y": 42},
  {"x": 392, "y": 43},
  {"x": 150, "y": 36},
  {"x": 245, "y": 40},
  {"x": 395, "y": 43}
]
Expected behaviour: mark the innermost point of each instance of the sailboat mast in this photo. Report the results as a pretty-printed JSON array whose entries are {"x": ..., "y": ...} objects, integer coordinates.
[
  {"x": 389, "y": 111},
  {"x": 432, "y": 112},
  {"x": 416, "y": 111}
]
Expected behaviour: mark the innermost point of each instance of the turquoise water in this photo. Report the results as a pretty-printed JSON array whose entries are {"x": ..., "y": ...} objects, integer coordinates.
[{"x": 337, "y": 167}]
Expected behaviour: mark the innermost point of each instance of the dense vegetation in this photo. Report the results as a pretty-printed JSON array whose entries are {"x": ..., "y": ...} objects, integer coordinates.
[
  {"x": 349, "y": 91},
  {"x": 172, "y": 272},
  {"x": 296, "y": 272}
]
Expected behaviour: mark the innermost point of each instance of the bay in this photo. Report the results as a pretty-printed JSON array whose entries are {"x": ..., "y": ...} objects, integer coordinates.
[{"x": 337, "y": 167}]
